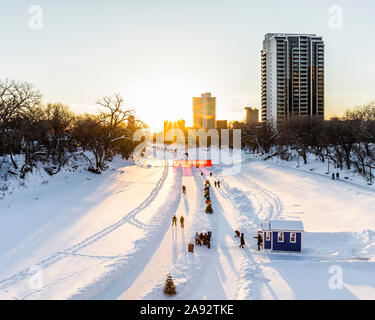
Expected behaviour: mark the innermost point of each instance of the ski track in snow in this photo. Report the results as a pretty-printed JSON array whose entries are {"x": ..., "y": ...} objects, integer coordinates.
[
  {"x": 104, "y": 287},
  {"x": 58, "y": 256},
  {"x": 254, "y": 205}
]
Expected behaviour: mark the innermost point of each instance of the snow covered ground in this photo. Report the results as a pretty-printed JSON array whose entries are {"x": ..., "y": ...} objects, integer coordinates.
[{"x": 109, "y": 236}]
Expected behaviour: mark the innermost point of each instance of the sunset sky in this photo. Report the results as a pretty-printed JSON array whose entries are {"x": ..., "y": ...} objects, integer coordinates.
[{"x": 159, "y": 54}]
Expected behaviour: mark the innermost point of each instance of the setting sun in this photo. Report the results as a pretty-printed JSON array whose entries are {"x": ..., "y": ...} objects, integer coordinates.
[{"x": 160, "y": 99}]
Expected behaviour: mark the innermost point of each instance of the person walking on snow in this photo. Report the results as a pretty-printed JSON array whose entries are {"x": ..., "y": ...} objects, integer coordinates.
[
  {"x": 196, "y": 237},
  {"x": 201, "y": 238},
  {"x": 218, "y": 184},
  {"x": 260, "y": 241},
  {"x": 183, "y": 189},
  {"x": 174, "y": 221},
  {"x": 182, "y": 221},
  {"x": 242, "y": 241},
  {"x": 215, "y": 183}
]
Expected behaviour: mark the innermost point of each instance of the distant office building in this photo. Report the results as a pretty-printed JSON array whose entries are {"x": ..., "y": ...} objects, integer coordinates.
[
  {"x": 221, "y": 124},
  {"x": 252, "y": 115},
  {"x": 292, "y": 74},
  {"x": 204, "y": 111}
]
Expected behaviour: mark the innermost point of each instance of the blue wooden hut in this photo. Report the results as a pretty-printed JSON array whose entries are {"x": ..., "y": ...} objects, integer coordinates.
[{"x": 282, "y": 235}]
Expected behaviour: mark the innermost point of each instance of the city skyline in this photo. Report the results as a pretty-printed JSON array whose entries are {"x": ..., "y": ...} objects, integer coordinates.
[{"x": 157, "y": 55}]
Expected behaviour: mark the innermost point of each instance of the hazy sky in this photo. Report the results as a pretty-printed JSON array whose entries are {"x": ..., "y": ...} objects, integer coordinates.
[{"x": 159, "y": 54}]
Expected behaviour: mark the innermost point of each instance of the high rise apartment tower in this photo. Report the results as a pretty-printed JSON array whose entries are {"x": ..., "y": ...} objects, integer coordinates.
[
  {"x": 292, "y": 73},
  {"x": 204, "y": 111}
]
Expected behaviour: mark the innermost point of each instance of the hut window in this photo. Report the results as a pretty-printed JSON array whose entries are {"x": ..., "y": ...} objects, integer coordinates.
[
  {"x": 280, "y": 236},
  {"x": 267, "y": 236},
  {"x": 293, "y": 238}
]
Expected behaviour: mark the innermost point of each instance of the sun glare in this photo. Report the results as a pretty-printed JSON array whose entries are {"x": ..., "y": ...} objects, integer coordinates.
[{"x": 164, "y": 99}]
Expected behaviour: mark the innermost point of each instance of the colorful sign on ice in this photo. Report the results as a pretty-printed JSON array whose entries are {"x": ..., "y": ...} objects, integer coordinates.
[{"x": 191, "y": 163}]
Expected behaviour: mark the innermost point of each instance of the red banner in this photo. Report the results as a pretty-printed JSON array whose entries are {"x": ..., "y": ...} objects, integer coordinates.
[{"x": 191, "y": 163}]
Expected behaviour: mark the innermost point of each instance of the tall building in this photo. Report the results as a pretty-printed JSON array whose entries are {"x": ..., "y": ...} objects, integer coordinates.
[
  {"x": 204, "y": 111},
  {"x": 292, "y": 74},
  {"x": 252, "y": 115}
]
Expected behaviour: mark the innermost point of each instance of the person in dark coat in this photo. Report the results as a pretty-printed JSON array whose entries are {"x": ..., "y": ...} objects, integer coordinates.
[
  {"x": 205, "y": 239},
  {"x": 184, "y": 189},
  {"x": 242, "y": 241},
  {"x": 337, "y": 175},
  {"x": 215, "y": 183},
  {"x": 201, "y": 173},
  {"x": 333, "y": 176},
  {"x": 174, "y": 220},
  {"x": 201, "y": 238},
  {"x": 197, "y": 241},
  {"x": 218, "y": 184},
  {"x": 182, "y": 221},
  {"x": 210, "y": 174},
  {"x": 260, "y": 241},
  {"x": 238, "y": 234}
]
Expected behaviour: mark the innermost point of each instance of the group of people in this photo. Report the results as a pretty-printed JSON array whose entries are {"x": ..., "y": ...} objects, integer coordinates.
[
  {"x": 217, "y": 184},
  {"x": 174, "y": 221},
  {"x": 337, "y": 176},
  {"x": 203, "y": 238},
  {"x": 242, "y": 239}
]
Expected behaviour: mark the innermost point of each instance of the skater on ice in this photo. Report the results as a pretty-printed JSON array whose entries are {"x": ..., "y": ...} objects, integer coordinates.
[
  {"x": 201, "y": 238},
  {"x": 174, "y": 220},
  {"x": 182, "y": 221},
  {"x": 183, "y": 189},
  {"x": 242, "y": 240},
  {"x": 196, "y": 237}
]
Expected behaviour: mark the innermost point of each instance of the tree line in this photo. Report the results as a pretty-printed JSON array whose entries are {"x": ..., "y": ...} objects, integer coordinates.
[
  {"x": 348, "y": 142},
  {"x": 32, "y": 132}
]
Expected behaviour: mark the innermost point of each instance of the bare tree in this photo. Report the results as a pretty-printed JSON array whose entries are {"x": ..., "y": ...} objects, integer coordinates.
[{"x": 16, "y": 98}]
